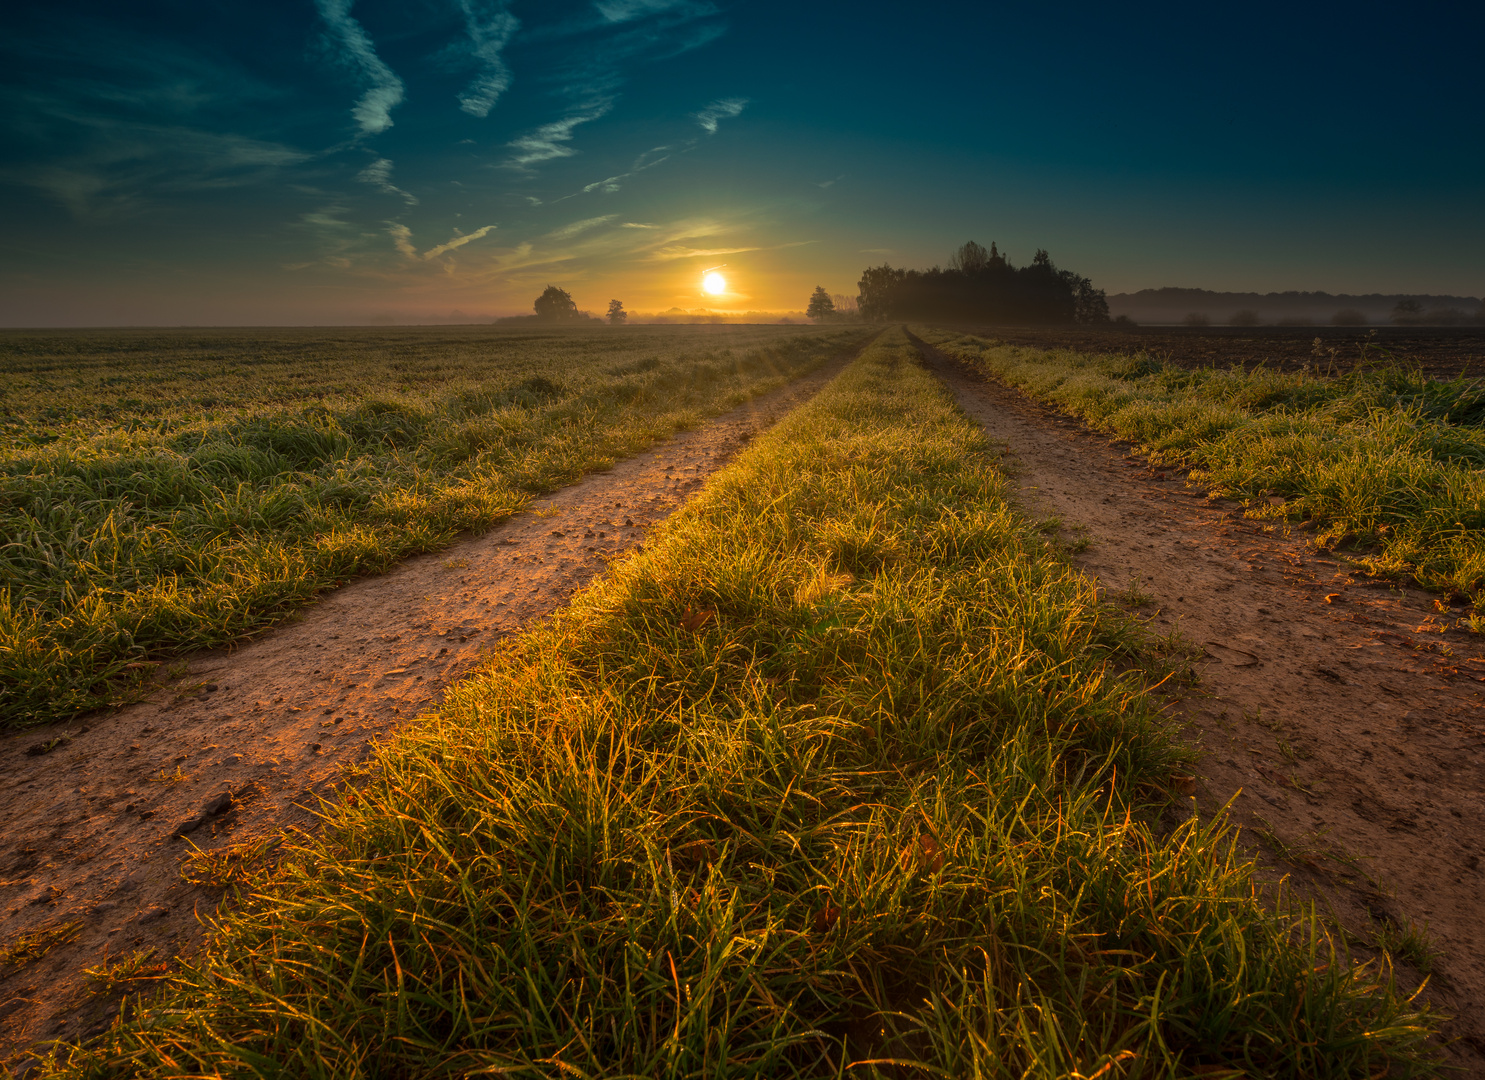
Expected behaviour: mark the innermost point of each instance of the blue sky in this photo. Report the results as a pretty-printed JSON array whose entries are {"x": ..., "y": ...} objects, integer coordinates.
[{"x": 337, "y": 160}]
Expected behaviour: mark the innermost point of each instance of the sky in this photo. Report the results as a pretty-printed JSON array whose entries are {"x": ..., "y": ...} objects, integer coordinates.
[{"x": 344, "y": 161}]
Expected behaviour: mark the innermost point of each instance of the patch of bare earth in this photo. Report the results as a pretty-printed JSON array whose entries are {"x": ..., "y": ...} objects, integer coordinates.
[
  {"x": 1343, "y": 717},
  {"x": 97, "y": 816}
]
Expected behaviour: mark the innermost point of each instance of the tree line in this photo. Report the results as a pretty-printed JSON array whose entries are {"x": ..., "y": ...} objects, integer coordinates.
[{"x": 980, "y": 286}]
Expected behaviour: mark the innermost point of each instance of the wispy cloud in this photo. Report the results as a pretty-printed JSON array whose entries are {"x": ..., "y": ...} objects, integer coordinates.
[
  {"x": 402, "y": 240},
  {"x": 384, "y": 93},
  {"x": 119, "y": 166},
  {"x": 379, "y": 175},
  {"x": 876, "y": 251},
  {"x": 681, "y": 251},
  {"x": 608, "y": 187},
  {"x": 567, "y": 232},
  {"x": 638, "y": 225},
  {"x": 550, "y": 140},
  {"x": 832, "y": 183},
  {"x": 617, "y": 11},
  {"x": 717, "y": 111},
  {"x": 490, "y": 27}
]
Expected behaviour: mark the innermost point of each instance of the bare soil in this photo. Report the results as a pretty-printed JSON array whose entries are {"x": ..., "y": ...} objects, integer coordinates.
[
  {"x": 90, "y": 810},
  {"x": 1343, "y": 717},
  {"x": 1441, "y": 351}
]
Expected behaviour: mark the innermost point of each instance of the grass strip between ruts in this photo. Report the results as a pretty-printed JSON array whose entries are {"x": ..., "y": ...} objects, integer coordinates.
[
  {"x": 1381, "y": 456},
  {"x": 837, "y": 777}
]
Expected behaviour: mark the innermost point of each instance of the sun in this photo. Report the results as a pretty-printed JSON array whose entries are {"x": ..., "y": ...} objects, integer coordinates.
[{"x": 714, "y": 283}]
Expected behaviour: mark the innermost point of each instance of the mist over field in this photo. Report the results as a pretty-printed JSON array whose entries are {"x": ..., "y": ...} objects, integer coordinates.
[{"x": 1176, "y": 305}]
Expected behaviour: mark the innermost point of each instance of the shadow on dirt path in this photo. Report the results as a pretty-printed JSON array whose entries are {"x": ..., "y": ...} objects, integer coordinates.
[
  {"x": 1343, "y": 716},
  {"x": 97, "y": 815}
]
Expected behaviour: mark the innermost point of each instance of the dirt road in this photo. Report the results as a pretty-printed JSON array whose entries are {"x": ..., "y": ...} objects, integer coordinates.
[
  {"x": 1342, "y": 715},
  {"x": 90, "y": 810}
]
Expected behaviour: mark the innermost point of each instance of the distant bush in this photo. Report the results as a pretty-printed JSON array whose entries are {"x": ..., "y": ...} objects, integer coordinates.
[
  {"x": 1246, "y": 317},
  {"x": 1125, "y": 320},
  {"x": 1348, "y": 317},
  {"x": 1445, "y": 317},
  {"x": 1197, "y": 318},
  {"x": 1407, "y": 313}
]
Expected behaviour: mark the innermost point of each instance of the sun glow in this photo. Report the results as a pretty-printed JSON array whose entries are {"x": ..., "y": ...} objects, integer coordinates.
[{"x": 714, "y": 283}]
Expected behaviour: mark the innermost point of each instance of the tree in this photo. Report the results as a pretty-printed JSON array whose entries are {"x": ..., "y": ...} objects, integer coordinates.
[
  {"x": 845, "y": 306},
  {"x": 821, "y": 306},
  {"x": 556, "y": 305},
  {"x": 1245, "y": 317},
  {"x": 969, "y": 259},
  {"x": 617, "y": 316},
  {"x": 1090, "y": 305}
]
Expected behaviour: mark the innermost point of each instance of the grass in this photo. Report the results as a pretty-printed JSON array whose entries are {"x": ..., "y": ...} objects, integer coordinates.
[
  {"x": 1409, "y": 942},
  {"x": 1381, "y": 458},
  {"x": 838, "y": 777},
  {"x": 166, "y": 491},
  {"x": 33, "y": 945}
]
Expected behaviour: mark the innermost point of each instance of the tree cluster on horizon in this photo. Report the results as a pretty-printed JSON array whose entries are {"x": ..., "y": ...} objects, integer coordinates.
[{"x": 981, "y": 286}]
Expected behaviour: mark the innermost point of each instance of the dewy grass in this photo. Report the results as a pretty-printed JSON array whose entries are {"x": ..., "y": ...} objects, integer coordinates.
[
  {"x": 165, "y": 491},
  {"x": 1382, "y": 455},
  {"x": 837, "y": 778}
]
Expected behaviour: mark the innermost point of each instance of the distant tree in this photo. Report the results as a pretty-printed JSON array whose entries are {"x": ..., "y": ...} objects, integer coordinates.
[
  {"x": 556, "y": 305},
  {"x": 1124, "y": 320},
  {"x": 1197, "y": 318},
  {"x": 877, "y": 291},
  {"x": 1090, "y": 305},
  {"x": 1445, "y": 316},
  {"x": 1407, "y": 313},
  {"x": 971, "y": 258},
  {"x": 1480, "y": 314},
  {"x": 1246, "y": 317},
  {"x": 821, "y": 306},
  {"x": 845, "y": 306},
  {"x": 617, "y": 316},
  {"x": 1348, "y": 317}
]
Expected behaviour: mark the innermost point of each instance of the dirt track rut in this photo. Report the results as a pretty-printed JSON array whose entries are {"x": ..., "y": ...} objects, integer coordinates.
[{"x": 1330, "y": 709}]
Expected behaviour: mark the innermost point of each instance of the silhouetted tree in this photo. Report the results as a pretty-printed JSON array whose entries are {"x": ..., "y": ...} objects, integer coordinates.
[
  {"x": 617, "y": 316},
  {"x": 821, "y": 306},
  {"x": 1246, "y": 317},
  {"x": 845, "y": 306},
  {"x": 971, "y": 258},
  {"x": 556, "y": 305}
]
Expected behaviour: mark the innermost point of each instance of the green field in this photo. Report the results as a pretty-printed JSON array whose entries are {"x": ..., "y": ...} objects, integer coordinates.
[
  {"x": 162, "y": 491},
  {"x": 1383, "y": 461},
  {"x": 848, "y": 773}
]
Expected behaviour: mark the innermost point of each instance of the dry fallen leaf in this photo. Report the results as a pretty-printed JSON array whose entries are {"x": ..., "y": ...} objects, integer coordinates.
[
  {"x": 1183, "y": 783},
  {"x": 924, "y": 855},
  {"x": 695, "y": 620},
  {"x": 826, "y": 917}
]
